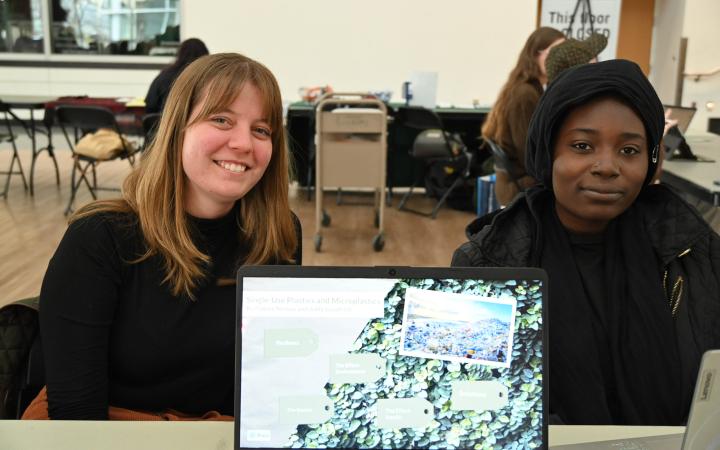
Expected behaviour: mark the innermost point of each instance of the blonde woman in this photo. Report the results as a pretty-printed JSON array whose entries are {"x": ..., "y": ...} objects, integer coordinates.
[{"x": 138, "y": 304}]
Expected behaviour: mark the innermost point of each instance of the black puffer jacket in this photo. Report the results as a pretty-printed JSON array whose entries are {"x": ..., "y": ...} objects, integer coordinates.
[{"x": 687, "y": 249}]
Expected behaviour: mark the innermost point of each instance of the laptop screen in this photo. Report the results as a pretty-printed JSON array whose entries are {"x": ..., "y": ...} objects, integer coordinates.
[
  {"x": 390, "y": 358},
  {"x": 682, "y": 114}
]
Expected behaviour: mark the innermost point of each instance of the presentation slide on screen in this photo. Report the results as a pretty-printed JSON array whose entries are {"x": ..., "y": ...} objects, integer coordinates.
[{"x": 392, "y": 363}]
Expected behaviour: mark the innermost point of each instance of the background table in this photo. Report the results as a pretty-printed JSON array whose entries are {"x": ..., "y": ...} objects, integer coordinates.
[
  {"x": 697, "y": 178},
  {"x": 400, "y": 166},
  {"x": 76, "y": 435}
]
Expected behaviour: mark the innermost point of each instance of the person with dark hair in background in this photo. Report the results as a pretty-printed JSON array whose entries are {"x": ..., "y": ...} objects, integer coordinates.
[
  {"x": 190, "y": 50},
  {"x": 634, "y": 270},
  {"x": 510, "y": 115}
]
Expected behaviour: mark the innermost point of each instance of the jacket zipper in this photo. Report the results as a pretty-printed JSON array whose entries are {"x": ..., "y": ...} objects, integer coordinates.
[{"x": 677, "y": 289}]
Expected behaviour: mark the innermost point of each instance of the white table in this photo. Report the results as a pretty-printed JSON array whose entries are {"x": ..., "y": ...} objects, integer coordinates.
[
  {"x": 697, "y": 177},
  {"x": 569, "y": 434},
  {"x": 76, "y": 435}
]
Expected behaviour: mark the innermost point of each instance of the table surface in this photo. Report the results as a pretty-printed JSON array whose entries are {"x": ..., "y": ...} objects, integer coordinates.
[
  {"x": 308, "y": 107},
  {"x": 39, "y": 101},
  {"x": 35, "y": 101},
  {"x": 702, "y": 174},
  {"x": 77, "y": 435}
]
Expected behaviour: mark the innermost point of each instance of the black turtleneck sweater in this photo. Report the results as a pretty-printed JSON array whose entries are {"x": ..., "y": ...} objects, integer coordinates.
[{"x": 113, "y": 334}]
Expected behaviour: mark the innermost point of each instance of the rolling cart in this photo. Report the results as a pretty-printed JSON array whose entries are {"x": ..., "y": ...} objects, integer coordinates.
[{"x": 350, "y": 152}]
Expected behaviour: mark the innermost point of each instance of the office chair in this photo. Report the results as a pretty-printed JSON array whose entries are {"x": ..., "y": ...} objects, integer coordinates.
[
  {"x": 149, "y": 124},
  {"x": 9, "y": 136},
  {"x": 83, "y": 120},
  {"x": 433, "y": 144}
]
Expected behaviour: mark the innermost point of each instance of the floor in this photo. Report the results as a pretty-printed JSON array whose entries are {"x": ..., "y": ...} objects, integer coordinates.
[{"x": 31, "y": 226}]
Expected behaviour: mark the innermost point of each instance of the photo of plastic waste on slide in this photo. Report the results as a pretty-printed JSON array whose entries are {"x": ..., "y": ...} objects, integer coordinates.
[{"x": 456, "y": 327}]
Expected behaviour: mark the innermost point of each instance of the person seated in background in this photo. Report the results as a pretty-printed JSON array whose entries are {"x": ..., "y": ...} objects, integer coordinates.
[
  {"x": 137, "y": 307},
  {"x": 634, "y": 271},
  {"x": 508, "y": 120},
  {"x": 572, "y": 52},
  {"x": 26, "y": 44},
  {"x": 189, "y": 51}
]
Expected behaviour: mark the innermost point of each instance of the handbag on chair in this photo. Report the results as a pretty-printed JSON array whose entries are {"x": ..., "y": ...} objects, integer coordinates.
[{"x": 104, "y": 144}]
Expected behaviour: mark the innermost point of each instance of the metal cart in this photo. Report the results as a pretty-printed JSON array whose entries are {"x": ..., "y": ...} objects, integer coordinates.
[{"x": 350, "y": 152}]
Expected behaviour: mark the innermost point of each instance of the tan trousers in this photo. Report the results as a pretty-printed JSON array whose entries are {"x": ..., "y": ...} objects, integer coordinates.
[{"x": 38, "y": 410}]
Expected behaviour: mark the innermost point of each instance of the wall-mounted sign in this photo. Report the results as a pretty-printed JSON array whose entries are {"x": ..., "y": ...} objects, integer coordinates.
[{"x": 578, "y": 18}]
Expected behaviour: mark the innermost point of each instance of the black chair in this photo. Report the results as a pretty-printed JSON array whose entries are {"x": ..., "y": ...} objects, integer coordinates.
[
  {"x": 503, "y": 163},
  {"x": 9, "y": 136},
  {"x": 149, "y": 124},
  {"x": 714, "y": 125},
  {"x": 34, "y": 131},
  {"x": 83, "y": 120},
  {"x": 32, "y": 377},
  {"x": 22, "y": 370},
  {"x": 433, "y": 144}
]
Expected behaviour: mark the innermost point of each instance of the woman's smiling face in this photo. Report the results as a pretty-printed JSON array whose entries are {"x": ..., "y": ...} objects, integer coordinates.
[
  {"x": 226, "y": 154},
  {"x": 600, "y": 164}
]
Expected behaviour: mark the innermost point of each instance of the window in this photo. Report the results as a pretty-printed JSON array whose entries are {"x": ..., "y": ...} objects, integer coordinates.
[
  {"x": 117, "y": 27},
  {"x": 21, "y": 27},
  {"x": 91, "y": 27}
]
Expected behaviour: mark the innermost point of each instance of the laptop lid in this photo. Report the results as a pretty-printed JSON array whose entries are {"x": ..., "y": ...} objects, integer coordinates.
[
  {"x": 390, "y": 357},
  {"x": 683, "y": 115},
  {"x": 703, "y": 427}
]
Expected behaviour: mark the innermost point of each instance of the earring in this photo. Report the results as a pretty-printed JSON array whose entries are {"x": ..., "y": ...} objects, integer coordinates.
[{"x": 655, "y": 152}]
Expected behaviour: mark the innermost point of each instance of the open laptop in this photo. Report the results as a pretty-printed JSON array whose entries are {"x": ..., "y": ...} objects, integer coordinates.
[
  {"x": 390, "y": 357},
  {"x": 703, "y": 427},
  {"x": 683, "y": 115},
  {"x": 676, "y": 146}
]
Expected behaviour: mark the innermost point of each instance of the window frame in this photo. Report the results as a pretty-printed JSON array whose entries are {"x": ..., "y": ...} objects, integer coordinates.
[{"x": 49, "y": 59}]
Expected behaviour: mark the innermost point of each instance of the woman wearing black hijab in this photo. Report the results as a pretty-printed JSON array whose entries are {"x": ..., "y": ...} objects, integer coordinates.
[{"x": 634, "y": 271}]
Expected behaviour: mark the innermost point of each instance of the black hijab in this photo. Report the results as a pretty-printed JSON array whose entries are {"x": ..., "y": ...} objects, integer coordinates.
[
  {"x": 577, "y": 86},
  {"x": 617, "y": 362}
]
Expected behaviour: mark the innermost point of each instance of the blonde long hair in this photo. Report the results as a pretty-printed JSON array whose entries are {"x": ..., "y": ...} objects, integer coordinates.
[
  {"x": 154, "y": 191},
  {"x": 526, "y": 70}
]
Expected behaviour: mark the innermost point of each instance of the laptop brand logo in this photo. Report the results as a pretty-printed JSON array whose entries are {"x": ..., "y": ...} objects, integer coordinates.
[{"x": 707, "y": 382}]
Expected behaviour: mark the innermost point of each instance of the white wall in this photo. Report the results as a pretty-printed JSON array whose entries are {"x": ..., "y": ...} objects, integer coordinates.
[
  {"x": 350, "y": 45},
  {"x": 701, "y": 26},
  {"x": 372, "y": 44},
  {"x": 667, "y": 33},
  {"x": 59, "y": 82}
]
